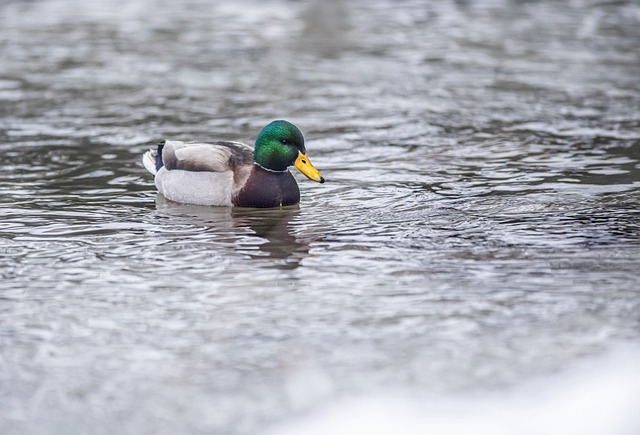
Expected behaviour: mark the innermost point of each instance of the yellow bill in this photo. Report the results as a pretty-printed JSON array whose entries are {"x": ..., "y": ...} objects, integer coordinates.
[{"x": 304, "y": 165}]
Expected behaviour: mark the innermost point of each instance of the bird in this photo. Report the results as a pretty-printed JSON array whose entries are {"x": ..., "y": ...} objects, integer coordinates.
[{"x": 226, "y": 173}]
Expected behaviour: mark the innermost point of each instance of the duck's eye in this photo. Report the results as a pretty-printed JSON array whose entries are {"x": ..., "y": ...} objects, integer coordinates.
[{"x": 284, "y": 142}]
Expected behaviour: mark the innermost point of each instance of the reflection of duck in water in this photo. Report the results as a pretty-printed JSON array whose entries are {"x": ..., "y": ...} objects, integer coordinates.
[
  {"x": 274, "y": 227},
  {"x": 269, "y": 230},
  {"x": 231, "y": 173}
]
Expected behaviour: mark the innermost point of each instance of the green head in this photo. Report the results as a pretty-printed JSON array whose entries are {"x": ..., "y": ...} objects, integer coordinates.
[{"x": 280, "y": 145}]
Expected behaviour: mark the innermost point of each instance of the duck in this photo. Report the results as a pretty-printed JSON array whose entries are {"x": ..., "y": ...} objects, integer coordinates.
[{"x": 226, "y": 173}]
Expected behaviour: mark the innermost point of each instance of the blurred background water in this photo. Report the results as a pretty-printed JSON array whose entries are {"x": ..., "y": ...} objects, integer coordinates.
[{"x": 475, "y": 252}]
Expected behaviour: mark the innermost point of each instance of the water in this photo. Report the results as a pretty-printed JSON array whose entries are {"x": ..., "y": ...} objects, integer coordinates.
[{"x": 477, "y": 242}]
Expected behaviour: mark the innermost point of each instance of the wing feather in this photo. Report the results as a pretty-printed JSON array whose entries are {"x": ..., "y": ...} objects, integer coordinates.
[{"x": 206, "y": 156}]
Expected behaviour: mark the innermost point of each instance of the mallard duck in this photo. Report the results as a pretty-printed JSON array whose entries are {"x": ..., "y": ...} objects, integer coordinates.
[{"x": 232, "y": 173}]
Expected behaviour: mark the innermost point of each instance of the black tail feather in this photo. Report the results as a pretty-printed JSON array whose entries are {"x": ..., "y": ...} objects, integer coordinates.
[{"x": 159, "y": 162}]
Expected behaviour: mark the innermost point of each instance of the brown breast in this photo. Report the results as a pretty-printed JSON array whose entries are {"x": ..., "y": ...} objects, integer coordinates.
[{"x": 268, "y": 189}]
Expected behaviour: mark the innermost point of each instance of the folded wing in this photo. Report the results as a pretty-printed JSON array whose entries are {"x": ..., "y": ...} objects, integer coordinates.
[{"x": 206, "y": 157}]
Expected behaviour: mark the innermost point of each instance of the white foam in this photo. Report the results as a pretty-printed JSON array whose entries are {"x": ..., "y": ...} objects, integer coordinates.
[{"x": 599, "y": 398}]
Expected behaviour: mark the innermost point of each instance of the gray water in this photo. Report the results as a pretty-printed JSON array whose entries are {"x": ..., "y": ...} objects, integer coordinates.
[{"x": 478, "y": 234}]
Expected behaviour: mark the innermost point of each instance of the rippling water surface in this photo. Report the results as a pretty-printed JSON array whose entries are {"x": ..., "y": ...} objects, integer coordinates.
[{"x": 479, "y": 230}]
